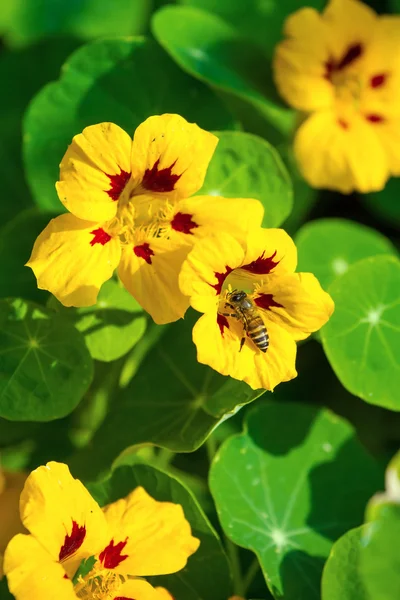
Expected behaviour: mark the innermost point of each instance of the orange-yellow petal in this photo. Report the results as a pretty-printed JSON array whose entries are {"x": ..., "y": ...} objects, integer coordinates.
[
  {"x": 343, "y": 155},
  {"x": 218, "y": 344},
  {"x": 300, "y": 62},
  {"x": 170, "y": 156},
  {"x": 149, "y": 537},
  {"x": 199, "y": 216},
  {"x": 295, "y": 302},
  {"x": 10, "y": 521},
  {"x": 59, "y": 511},
  {"x": 95, "y": 172},
  {"x": 268, "y": 251},
  {"x": 388, "y": 132},
  {"x": 136, "y": 589},
  {"x": 149, "y": 269},
  {"x": 32, "y": 573},
  {"x": 163, "y": 594},
  {"x": 72, "y": 258}
]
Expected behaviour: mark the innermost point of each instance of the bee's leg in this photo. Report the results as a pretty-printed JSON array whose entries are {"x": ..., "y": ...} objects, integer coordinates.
[
  {"x": 229, "y": 315},
  {"x": 242, "y": 341}
]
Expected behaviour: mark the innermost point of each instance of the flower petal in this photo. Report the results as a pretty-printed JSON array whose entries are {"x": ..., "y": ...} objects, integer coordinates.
[
  {"x": 197, "y": 217},
  {"x": 10, "y": 523},
  {"x": 218, "y": 346},
  {"x": 350, "y": 22},
  {"x": 206, "y": 267},
  {"x": 137, "y": 589},
  {"x": 32, "y": 573},
  {"x": 95, "y": 171},
  {"x": 149, "y": 537},
  {"x": 170, "y": 156},
  {"x": 149, "y": 270},
  {"x": 295, "y": 302},
  {"x": 163, "y": 594},
  {"x": 388, "y": 132},
  {"x": 300, "y": 62},
  {"x": 341, "y": 155},
  {"x": 59, "y": 511},
  {"x": 72, "y": 258}
]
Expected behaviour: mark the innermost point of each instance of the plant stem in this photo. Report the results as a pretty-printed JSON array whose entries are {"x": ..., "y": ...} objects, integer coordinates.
[
  {"x": 233, "y": 554},
  {"x": 165, "y": 458},
  {"x": 211, "y": 447},
  {"x": 249, "y": 575}
]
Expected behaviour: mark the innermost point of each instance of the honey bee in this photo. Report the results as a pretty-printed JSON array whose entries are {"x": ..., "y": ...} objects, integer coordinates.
[{"x": 246, "y": 312}]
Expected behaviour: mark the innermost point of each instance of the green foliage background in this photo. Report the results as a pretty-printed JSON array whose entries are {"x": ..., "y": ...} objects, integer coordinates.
[{"x": 275, "y": 485}]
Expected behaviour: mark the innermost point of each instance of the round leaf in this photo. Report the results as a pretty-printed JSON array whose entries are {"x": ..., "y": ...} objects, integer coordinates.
[
  {"x": 207, "y": 574},
  {"x": 246, "y": 166},
  {"x": 45, "y": 367},
  {"x": 362, "y": 338},
  {"x": 120, "y": 80},
  {"x": 341, "y": 579},
  {"x": 286, "y": 489},
  {"x": 207, "y": 47},
  {"x": 328, "y": 247},
  {"x": 176, "y": 409}
]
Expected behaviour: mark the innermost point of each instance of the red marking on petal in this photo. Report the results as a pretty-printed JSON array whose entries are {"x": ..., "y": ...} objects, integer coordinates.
[
  {"x": 262, "y": 265},
  {"x": 352, "y": 53},
  {"x": 162, "y": 180},
  {"x": 374, "y": 118},
  {"x": 118, "y": 183},
  {"x": 266, "y": 301},
  {"x": 100, "y": 237},
  {"x": 222, "y": 323},
  {"x": 220, "y": 279},
  {"x": 329, "y": 68},
  {"x": 123, "y": 598},
  {"x": 183, "y": 222},
  {"x": 65, "y": 576},
  {"x": 72, "y": 542},
  {"x": 378, "y": 80},
  {"x": 144, "y": 251},
  {"x": 111, "y": 556},
  {"x": 343, "y": 124}
]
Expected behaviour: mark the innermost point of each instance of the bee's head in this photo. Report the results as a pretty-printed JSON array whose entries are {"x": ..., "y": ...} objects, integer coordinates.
[{"x": 237, "y": 296}]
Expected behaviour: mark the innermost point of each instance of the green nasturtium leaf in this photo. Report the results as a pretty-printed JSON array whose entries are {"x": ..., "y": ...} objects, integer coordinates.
[
  {"x": 16, "y": 243},
  {"x": 379, "y": 555},
  {"x": 286, "y": 489},
  {"x": 113, "y": 326},
  {"x": 260, "y": 20},
  {"x": 176, "y": 409},
  {"x": 341, "y": 578},
  {"x": 362, "y": 338},
  {"x": 246, "y": 166},
  {"x": 207, "y": 575},
  {"x": 45, "y": 367},
  {"x": 30, "y": 20},
  {"x": 123, "y": 80},
  {"x": 327, "y": 247},
  {"x": 212, "y": 50},
  {"x": 385, "y": 204}
]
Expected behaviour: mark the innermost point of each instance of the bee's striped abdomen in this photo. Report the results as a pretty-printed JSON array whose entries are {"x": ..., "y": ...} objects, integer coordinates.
[{"x": 258, "y": 333}]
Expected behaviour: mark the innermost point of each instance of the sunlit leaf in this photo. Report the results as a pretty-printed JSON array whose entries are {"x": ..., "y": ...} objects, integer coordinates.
[
  {"x": 206, "y": 576},
  {"x": 45, "y": 367},
  {"x": 362, "y": 338},
  {"x": 327, "y": 247},
  {"x": 246, "y": 166},
  {"x": 123, "y": 80},
  {"x": 286, "y": 489}
]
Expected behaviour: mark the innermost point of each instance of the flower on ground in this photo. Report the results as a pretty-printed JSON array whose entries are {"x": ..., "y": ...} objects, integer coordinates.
[
  {"x": 11, "y": 484},
  {"x": 291, "y": 305},
  {"x": 341, "y": 68},
  {"x": 130, "y": 207},
  {"x": 129, "y": 539}
]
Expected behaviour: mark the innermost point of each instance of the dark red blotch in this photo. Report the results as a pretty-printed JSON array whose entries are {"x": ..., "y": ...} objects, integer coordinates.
[
  {"x": 144, "y": 251},
  {"x": 220, "y": 279},
  {"x": 222, "y": 323},
  {"x": 378, "y": 80},
  {"x": 160, "y": 180},
  {"x": 266, "y": 301},
  {"x": 118, "y": 183},
  {"x": 375, "y": 118},
  {"x": 73, "y": 541},
  {"x": 112, "y": 555},
  {"x": 100, "y": 237},
  {"x": 262, "y": 265},
  {"x": 184, "y": 223},
  {"x": 352, "y": 53}
]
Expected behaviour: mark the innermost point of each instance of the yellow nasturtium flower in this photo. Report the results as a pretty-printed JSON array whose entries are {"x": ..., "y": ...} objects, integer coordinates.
[
  {"x": 341, "y": 69},
  {"x": 291, "y": 305},
  {"x": 129, "y": 539},
  {"x": 130, "y": 207}
]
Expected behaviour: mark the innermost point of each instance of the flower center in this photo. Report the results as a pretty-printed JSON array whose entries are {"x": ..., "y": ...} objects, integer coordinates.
[{"x": 100, "y": 584}]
